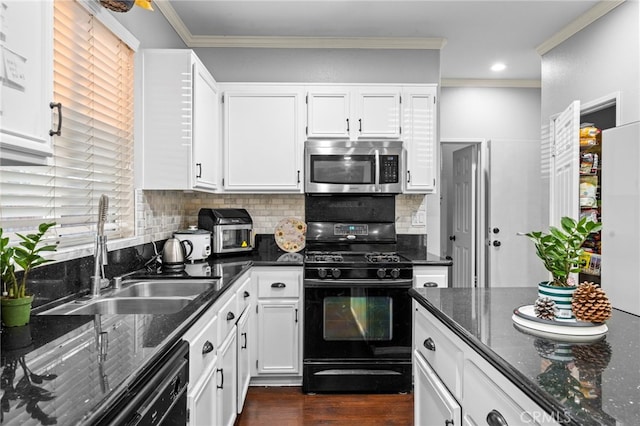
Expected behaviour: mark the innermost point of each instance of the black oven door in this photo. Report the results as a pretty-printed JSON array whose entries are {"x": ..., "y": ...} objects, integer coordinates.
[{"x": 357, "y": 320}]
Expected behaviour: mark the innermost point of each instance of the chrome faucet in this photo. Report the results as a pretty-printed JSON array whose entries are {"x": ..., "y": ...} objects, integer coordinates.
[{"x": 100, "y": 253}]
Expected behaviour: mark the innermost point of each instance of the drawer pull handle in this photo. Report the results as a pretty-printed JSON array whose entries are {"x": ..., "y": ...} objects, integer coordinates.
[
  {"x": 58, "y": 105},
  {"x": 430, "y": 284},
  {"x": 221, "y": 385},
  {"x": 449, "y": 422},
  {"x": 244, "y": 346},
  {"x": 246, "y": 294},
  {"x": 429, "y": 344},
  {"x": 207, "y": 347},
  {"x": 494, "y": 418},
  {"x": 278, "y": 285},
  {"x": 230, "y": 316}
]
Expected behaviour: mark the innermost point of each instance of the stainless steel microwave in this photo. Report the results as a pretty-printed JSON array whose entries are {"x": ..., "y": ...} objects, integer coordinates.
[{"x": 341, "y": 166}]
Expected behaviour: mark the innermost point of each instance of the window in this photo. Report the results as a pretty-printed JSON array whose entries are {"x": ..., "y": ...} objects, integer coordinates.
[{"x": 93, "y": 80}]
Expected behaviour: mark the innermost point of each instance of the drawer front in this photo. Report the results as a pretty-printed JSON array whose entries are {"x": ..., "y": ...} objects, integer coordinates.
[
  {"x": 278, "y": 284},
  {"x": 228, "y": 315},
  {"x": 244, "y": 295},
  {"x": 484, "y": 400},
  {"x": 442, "y": 354},
  {"x": 203, "y": 345}
]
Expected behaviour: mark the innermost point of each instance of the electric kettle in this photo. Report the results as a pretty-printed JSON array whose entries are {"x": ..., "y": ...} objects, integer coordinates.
[{"x": 175, "y": 252}]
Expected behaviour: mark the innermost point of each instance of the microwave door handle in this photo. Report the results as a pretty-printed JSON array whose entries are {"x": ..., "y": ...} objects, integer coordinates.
[{"x": 377, "y": 174}]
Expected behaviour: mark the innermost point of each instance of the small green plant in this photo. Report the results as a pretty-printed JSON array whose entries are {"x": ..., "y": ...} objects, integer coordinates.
[
  {"x": 561, "y": 248},
  {"x": 26, "y": 255}
]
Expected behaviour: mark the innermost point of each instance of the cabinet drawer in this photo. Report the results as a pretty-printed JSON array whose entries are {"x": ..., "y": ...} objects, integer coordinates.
[
  {"x": 203, "y": 344},
  {"x": 244, "y": 295},
  {"x": 228, "y": 315},
  {"x": 483, "y": 398},
  {"x": 442, "y": 354},
  {"x": 278, "y": 284}
]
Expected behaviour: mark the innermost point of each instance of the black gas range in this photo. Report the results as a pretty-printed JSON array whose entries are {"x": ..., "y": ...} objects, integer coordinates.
[{"x": 357, "y": 328}]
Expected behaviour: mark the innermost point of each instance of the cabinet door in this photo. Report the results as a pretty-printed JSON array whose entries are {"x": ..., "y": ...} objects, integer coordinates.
[
  {"x": 328, "y": 113},
  {"x": 244, "y": 366},
  {"x": 433, "y": 404},
  {"x": 428, "y": 275},
  {"x": 263, "y": 141},
  {"x": 205, "y": 129},
  {"x": 420, "y": 138},
  {"x": 26, "y": 80},
  {"x": 201, "y": 400},
  {"x": 278, "y": 337},
  {"x": 226, "y": 381},
  {"x": 378, "y": 112}
]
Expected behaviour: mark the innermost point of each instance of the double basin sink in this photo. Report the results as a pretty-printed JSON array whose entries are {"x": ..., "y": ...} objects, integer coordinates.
[{"x": 144, "y": 296}]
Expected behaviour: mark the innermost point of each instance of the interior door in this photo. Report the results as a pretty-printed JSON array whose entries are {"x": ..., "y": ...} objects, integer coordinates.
[
  {"x": 464, "y": 220},
  {"x": 514, "y": 192}
]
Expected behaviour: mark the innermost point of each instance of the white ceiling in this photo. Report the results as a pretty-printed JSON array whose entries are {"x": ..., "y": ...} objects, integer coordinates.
[{"x": 473, "y": 34}]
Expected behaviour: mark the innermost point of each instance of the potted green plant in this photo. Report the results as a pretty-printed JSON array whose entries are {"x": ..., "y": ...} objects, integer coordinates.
[
  {"x": 16, "y": 303},
  {"x": 561, "y": 253}
]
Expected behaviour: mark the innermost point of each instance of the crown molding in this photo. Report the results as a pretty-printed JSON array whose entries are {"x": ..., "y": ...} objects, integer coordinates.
[
  {"x": 455, "y": 82},
  {"x": 190, "y": 40},
  {"x": 584, "y": 20}
]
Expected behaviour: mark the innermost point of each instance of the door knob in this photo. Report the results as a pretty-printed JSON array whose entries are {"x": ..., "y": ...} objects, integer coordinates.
[
  {"x": 452, "y": 237},
  {"x": 497, "y": 243}
]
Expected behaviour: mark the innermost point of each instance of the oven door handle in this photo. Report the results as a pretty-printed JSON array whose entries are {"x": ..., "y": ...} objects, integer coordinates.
[
  {"x": 377, "y": 173},
  {"x": 407, "y": 283}
]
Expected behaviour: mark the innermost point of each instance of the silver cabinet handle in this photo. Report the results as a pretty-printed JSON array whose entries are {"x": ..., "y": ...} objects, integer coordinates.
[
  {"x": 430, "y": 284},
  {"x": 221, "y": 385},
  {"x": 494, "y": 418},
  {"x": 244, "y": 346},
  {"x": 230, "y": 316},
  {"x": 207, "y": 347},
  {"x": 57, "y": 105},
  {"x": 429, "y": 344},
  {"x": 246, "y": 294},
  {"x": 278, "y": 285}
]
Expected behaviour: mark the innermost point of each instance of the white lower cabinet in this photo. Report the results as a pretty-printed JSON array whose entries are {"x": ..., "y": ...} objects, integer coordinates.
[
  {"x": 278, "y": 322},
  {"x": 244, "y": 359},
  {"x": 202, "y": 399},
  {"x": 452, "y": 381},
  {"x": 226, "y": 377},
  {"x": 433, "y": 403}
]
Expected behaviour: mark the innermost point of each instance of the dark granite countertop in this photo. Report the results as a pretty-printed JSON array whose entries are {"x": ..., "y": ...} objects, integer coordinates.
[
  {"x": 52, "y": 369},
  {"x": 593, "y": 383}
]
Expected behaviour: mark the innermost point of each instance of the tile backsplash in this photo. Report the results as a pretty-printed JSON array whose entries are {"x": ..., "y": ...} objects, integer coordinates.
[{"x": 160, "y": 213}]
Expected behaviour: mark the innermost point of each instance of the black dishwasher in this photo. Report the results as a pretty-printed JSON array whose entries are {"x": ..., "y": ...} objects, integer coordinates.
[{"x": 159, "y": 397}]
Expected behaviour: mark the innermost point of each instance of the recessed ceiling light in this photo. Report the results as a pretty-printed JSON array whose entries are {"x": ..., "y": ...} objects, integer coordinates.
[{"x": 498, "y": 66}]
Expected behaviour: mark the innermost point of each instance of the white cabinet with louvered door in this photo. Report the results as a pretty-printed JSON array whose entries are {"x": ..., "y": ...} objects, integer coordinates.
[
  {"x": 26, "y": 81},
  {"x": 263, "y": 138},
  {"x": 180, "y": 122},
  {"x": 279, "y": 321},
  {"x": 420, "y": 138}
]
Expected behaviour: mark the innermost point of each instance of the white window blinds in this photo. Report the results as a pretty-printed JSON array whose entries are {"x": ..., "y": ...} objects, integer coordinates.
[{"x": 93, "y": 80}]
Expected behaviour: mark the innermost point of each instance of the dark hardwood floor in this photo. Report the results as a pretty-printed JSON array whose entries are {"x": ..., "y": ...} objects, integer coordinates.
[{"x": 288, "y": 406}]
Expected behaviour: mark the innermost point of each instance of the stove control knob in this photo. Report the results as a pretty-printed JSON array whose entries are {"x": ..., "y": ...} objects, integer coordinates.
[
  {"x": 335, "y": 272},
  {"x": 395, "y": 272},
  {"x": 381, "y": 273},
  {"x": 322, "y": 273}
]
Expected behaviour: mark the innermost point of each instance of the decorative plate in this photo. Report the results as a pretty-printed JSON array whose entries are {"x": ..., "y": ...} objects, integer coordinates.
[
  {"x": 290, "y": 234},
  {"x": 525, "y": 318}
]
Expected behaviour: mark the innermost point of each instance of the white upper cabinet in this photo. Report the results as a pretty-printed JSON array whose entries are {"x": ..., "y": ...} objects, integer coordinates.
[
  {"x": 26, "y": 81},
  {"x": 420, "y": 138},
  {"x": 181, "y": 129},
  {"x": 263, "y": 138},
  {"x": 353, "y": 112}
]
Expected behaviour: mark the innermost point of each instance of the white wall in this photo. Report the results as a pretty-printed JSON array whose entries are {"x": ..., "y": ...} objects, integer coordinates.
[{"x": 601, "y": 59}]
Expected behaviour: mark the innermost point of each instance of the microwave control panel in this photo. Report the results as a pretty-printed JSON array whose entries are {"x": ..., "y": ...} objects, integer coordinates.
[{"x": 389, "y": 169}]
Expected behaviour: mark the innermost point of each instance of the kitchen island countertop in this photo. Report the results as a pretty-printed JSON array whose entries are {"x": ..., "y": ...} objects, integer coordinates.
[{"x": 602, "y": 378}]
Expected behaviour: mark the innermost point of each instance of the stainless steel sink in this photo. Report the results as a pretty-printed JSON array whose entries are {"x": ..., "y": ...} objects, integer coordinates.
[
  {"x": 122, "y": 305},
  {"x": 167, "y": 288}
]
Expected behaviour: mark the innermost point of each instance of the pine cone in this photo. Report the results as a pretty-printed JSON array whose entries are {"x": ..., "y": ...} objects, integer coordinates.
[
  {"x": 545, "y": 308},
  {"x": 592, "y": 358},
  {"x": 590, "y": 303}
]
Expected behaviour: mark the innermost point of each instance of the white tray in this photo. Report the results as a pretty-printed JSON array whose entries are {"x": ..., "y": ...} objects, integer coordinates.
[{"x": 575, "y": 331}]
